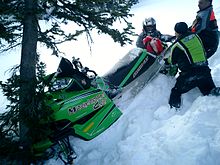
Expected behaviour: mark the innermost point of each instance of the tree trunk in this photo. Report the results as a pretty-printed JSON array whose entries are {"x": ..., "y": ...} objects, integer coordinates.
[{"x": 28, "y": 65}]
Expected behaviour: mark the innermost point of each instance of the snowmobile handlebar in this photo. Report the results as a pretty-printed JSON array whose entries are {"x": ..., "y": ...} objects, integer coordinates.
[
  {"x": 77, "y": 64},
  {"x": 86, "y": 70}
]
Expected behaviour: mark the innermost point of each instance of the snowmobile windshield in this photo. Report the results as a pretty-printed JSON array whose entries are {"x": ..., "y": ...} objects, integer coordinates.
[{"x": 125, "y": 61}]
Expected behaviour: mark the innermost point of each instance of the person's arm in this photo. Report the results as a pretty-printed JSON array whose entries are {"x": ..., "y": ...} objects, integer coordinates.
[
  {"x": 139, "y": 42},
  {"x": 201, "y": 22},
  {"x": 167, "y": 38},
  {"x": 175, "y": 56},
  {"x": 170, "y": 67}
]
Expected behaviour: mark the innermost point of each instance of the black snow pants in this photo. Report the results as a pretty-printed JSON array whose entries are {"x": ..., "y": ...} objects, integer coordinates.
[
  {"x": 210, "y": 40},
  {"x": 196, "y": 77}
]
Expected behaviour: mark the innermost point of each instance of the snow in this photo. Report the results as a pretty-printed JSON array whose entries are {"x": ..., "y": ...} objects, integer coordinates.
[{"x": 149, "y": 132}]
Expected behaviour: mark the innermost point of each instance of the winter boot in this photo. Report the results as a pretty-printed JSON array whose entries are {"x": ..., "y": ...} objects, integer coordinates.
[{"x": 175, "y": 99}]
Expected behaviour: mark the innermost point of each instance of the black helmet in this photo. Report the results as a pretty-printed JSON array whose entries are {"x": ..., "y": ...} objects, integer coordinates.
[
  {"x": 149, "y": 22},
  {"x": 181, "y": 28}
]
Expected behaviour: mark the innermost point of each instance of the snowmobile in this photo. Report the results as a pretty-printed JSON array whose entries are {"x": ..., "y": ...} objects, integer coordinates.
[
  {"x": 83, "y": 103},
  {"x": 79, "y": 108}
]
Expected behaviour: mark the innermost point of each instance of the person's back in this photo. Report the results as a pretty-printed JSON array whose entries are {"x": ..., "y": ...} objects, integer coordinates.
[
  {"x": 189, "y": 56},
  {"x": 205, "y": 25},
  {"x": 188, "y": 53}
]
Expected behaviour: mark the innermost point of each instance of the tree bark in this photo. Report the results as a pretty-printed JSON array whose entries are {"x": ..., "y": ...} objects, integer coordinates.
[{"x": 28, "y": 64}]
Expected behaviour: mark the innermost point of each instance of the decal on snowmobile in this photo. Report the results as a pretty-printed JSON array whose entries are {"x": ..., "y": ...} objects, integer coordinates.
[
  {"x": 98, "y": 100},
  {"x": 88, "y": 127},
  {"x": 83, "y": 95},
  {"x": 140, "y": 67},
  {"x": 100, "y": 103}
]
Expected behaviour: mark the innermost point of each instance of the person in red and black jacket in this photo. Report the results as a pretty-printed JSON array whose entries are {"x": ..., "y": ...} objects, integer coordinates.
[{"x": 205, "y": 25}]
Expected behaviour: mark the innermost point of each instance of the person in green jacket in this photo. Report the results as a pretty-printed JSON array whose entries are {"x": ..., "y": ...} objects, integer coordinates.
[{"x": 189, "y": 56}]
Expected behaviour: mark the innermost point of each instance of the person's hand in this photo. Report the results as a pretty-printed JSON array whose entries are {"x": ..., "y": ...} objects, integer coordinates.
[
  {"x": 168, "y": 69},
  {"x": 173, "y": 70}
]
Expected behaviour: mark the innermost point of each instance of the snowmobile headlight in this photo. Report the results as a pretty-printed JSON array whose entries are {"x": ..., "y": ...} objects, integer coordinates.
[{"x": 59, "y": 84}]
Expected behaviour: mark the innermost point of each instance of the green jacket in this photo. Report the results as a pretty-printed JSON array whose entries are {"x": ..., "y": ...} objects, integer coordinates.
[{"x": 188, "y": 52}]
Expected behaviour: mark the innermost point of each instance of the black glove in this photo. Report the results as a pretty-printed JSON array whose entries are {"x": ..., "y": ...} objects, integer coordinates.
[{"x": 169, "y": 69}]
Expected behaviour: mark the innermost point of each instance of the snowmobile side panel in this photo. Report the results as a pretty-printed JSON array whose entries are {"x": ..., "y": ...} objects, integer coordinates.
[
  {"x": 98, "y": 123},
  {"x": 142, "y": 80},
  {"x": 77, "y": 107},
  {"x": 138, "y": 63},
  {"x": 145, "y": 63}
]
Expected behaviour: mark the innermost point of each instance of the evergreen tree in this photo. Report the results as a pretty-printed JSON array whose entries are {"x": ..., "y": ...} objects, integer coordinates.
[
  {"x": 11, "y": 147},
  {"x": 88, "y": 15},
  {"x": 20, "y": 25}
]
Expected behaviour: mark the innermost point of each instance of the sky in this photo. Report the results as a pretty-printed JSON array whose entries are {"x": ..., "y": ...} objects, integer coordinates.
[{"x": 148, "y": 132}]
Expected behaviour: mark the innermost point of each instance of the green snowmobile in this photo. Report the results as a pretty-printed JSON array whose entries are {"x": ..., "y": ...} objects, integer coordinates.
[
  {"x": 83, "y": 102},
  {"x": 81, "y": 108}
]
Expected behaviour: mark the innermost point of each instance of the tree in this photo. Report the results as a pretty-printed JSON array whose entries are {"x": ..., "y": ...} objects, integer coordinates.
[
  {"x": 88, "y": 15},
  {"x": 20, "y": 25}
]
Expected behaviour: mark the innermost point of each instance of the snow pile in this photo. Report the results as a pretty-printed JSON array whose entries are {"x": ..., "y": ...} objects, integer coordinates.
[{"x": 151, "y": 133}]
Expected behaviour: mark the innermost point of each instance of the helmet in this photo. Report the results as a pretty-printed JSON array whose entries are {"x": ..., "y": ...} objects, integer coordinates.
[{"x": 149, "y": 22}]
